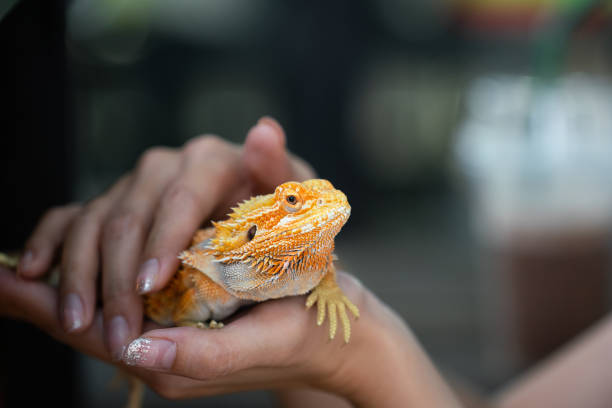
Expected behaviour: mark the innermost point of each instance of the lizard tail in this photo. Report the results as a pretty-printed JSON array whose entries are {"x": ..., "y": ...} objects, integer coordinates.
[{"x": 8, "y": 260}]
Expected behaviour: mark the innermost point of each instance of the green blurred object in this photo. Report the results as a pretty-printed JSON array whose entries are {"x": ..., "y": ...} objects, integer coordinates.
[
  {"x": 551, "y": 47},
  {"x": 6, "y": 6}
]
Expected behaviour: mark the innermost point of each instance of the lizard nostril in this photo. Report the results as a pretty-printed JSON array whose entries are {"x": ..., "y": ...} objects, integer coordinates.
[{"x": 320, "y": 201}]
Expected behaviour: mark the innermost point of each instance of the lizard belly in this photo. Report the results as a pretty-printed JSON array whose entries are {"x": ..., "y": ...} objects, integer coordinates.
[
  {"x": 245, "y": 282},
  {"x": 191, "y": 297},
  {"x": 212, "y": 301}
]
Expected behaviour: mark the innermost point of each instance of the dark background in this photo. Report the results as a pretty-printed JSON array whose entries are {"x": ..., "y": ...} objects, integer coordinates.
[
  {"x": 374, "y": 94},
  {"x": 36, "y": 173}
]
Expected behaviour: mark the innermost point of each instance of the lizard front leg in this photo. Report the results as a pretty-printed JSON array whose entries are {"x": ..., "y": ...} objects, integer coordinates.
[
  {"x": 329, "y": 297},
  {"x": 188, "y": 312}
]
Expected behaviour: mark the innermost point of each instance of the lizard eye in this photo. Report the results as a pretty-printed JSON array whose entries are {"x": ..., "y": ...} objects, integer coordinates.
[
  {"x": 292, "y": 203},
  {"x": 290, "y": 196},
  {"x": 251, "y": 232}
]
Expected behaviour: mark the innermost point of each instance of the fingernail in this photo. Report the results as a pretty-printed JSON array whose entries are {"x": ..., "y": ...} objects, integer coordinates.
[
  {"x": 266, "y": 120},
  {"x": 150, "y": 353},
  {"x": 146, "y": 276},
  {"x": 116, "y": 332},
  {"x": 72, "y": 312},
  {"x": 273, "y": 125},
  {"x": 25, "y": 263}
]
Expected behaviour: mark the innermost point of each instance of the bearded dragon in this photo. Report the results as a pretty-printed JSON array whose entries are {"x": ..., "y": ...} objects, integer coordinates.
[{"x": 271, "y": 246}]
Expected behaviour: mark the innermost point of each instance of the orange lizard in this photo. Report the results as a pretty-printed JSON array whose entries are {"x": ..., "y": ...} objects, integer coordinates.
[{"x": 271, "y": 246}]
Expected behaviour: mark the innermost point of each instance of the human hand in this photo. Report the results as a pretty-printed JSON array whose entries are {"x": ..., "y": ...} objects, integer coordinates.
[
  {"x": 136, "y": 229},
  {"x": 271, "y": 346},
  {"x": 274, "y": 345},
  {"x": 36, "y": 302}
]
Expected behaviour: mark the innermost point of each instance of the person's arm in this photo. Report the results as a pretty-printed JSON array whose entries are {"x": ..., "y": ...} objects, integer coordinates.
[
  {"x": 307, "y": 398},
  {"x": 273, "y": 346},
  {"x": 580, "y": 375}
]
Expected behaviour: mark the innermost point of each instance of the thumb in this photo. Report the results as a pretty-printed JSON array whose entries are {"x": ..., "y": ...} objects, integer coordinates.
[
  {"x": 270, "y": 335},
  {"x": 266, "y": 159}
]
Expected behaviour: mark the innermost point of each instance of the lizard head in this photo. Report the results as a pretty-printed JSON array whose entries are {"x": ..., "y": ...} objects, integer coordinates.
[{"x": 269, "y": 231}]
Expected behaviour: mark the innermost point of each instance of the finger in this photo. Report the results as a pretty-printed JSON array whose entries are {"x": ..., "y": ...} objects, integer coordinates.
[
  {"x": 271, "y": 344},
  {"x": 207, "y": 173},
  {"x": 122, "y": 241},
  {"x": 36, "y": 303},
  {"x": 146, "y": 197},
  {"x": 42, "y": 245},
  {"x": 80, "y": 260},
  {"x": 250, "y": 342},
  {"x": 21, "y": 299},
  {"x": 266, "y": 159}
]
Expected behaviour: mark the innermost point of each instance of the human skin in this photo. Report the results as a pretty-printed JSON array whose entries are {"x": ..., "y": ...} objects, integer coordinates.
[
  {"x": 383, "y": 365},
  {"x": 578, "y": 375},
  {"x": 274, "y": 345},
  {"x": 136, "y": 228}
]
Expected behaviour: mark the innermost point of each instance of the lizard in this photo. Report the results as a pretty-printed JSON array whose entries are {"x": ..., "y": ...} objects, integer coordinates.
[{"x": 270, "y": 246}]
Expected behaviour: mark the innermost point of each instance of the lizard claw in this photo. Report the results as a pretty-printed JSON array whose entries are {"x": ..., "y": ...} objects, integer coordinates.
[
  {"x": 331, "y": 300},
  {"x": 213, "y": 324}
]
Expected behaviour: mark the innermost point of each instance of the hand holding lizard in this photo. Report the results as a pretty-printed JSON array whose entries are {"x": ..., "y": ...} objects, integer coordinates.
[
  {"x": 136, "y": 229},
  {"x": 269, "y": 347}
]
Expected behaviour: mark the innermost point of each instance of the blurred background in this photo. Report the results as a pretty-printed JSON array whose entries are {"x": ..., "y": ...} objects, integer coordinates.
[{"x": 473, "y": 139}]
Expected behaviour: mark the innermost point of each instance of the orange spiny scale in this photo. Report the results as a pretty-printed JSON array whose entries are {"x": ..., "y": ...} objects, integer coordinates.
[
  {"x": 160, "y": 306},
  {"x": 270, "y": 246},
  {"x": 202, "y": 235},
  {"x": 276, "y": 269}
]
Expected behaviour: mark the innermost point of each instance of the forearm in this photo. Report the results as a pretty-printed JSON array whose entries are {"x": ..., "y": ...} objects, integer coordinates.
[
  {"x": 307, "y": 398},
  {"x": 578, "y": 376}
]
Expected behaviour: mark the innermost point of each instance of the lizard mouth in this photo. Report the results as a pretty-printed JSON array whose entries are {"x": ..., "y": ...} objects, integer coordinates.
[
  {"x": 336, "y": 218},
  {"x": 326, "y": 224},
  {"x": 339, "y": 209}
]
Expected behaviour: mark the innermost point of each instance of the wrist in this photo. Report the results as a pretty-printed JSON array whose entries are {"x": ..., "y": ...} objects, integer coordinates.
[{"x": 385, "y": 365}]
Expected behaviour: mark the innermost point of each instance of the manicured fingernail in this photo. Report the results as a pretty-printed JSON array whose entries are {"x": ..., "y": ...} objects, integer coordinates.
[
  {"x": 147, "y": 275},
  {"x": 117, "y": 332},
  {"x": 72, "y": 312},
  {"x": 150, "y": 353},
  {"x": 25, "y": 263}
]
